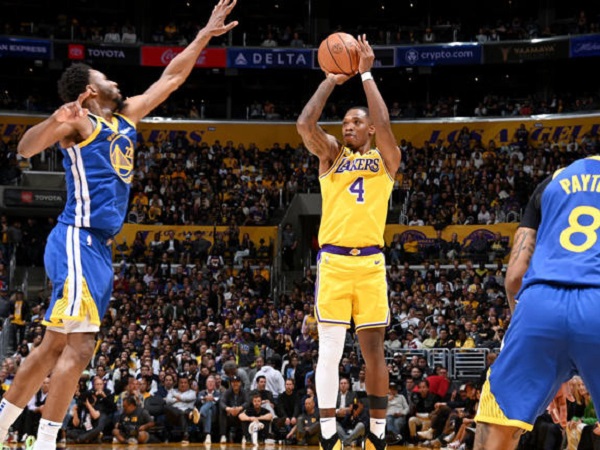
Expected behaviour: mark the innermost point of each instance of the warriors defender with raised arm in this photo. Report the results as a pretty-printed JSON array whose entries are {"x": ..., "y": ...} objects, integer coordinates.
[
  {"x": 356, "y": 182},
  {"x": 554, "y": 273},
  {"x": 96, "y": 130}
]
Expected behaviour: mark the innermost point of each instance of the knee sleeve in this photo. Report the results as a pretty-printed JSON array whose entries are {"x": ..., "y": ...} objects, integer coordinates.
[{"x": 331, "y": 347}]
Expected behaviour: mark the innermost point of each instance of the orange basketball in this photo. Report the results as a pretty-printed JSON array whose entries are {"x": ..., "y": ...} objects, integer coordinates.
[{"x": 338, "y": 53}]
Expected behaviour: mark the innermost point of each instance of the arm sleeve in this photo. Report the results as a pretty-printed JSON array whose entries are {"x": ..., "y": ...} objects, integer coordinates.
[
  {"x": 533, "y": 211},
  {"x": 188, "y": 396},
  {"x": 403, "y": 405},
  {"x": 145, "y": 418},
  {"x": 169, "y": 400}
]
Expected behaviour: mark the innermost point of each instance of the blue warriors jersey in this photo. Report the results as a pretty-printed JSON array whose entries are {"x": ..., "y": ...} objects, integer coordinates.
[
  {"x": 565, "y": 210},
  {"x": 98, "y": 173},
  {"x": 356, "y": 191}
]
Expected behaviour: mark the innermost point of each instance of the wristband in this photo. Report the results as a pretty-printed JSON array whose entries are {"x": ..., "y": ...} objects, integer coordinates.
[{"x": 366, "y": 76}]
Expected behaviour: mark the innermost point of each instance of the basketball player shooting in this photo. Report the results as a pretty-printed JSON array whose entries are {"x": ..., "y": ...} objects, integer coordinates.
[
  {"x": 356, "y": 182},
  {"x": 96, "y": 130}
]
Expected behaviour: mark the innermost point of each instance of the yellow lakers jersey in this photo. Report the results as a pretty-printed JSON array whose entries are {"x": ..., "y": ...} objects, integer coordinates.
[{"x": 355, "y": 190}]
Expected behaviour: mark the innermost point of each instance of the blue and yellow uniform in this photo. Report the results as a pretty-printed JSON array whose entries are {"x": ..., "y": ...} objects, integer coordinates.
[
  {"x": 351, "y": 279},
  {"x": 78, "y": 259},
  {"x": 554, "y": 331}
]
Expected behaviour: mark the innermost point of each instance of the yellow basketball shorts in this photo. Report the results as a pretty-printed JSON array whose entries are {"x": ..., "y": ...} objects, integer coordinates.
[{"x": 351, "y": 285}]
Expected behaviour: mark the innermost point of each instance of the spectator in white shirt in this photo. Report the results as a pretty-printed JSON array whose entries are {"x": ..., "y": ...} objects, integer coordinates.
[
  {"x": 112, "y": 36},
  {"x": 397, "y": 410},
  {"x": 274, "y": 378},
  {"x": 392, "y": 344}
]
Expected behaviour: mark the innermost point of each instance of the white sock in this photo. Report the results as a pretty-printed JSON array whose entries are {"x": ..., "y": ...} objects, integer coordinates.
[
  {"x": 47, "y": 433},
  {"x": 8, "y": 414},
  {"x": 328, "y": 427},
  {"x": 377, "y": 427}
]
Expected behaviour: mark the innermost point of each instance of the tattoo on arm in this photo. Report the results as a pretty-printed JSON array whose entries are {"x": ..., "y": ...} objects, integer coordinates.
[
  {"x": 315, "y": 139},
  {"x": 316, "y": 142},
  {"x": 518, "y": 247},
  {"x": 522, "y": 246}
]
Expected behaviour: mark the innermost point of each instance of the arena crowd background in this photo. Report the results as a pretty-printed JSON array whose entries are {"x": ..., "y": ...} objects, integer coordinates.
[{"x": 215, "y": 263}]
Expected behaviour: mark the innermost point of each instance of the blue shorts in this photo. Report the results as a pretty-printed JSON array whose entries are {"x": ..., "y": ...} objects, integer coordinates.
[
  {"x": 79, "y": 264},
  {"x": 554, "y": 334}
]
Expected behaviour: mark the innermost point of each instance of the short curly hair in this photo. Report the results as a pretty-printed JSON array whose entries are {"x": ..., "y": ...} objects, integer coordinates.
[{"x": 73, "y": 81}]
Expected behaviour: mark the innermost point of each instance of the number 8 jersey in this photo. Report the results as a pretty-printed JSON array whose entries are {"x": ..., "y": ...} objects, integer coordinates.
[
  {"x": 355, "y": 190},
  {"x": 565, "y": 210}
]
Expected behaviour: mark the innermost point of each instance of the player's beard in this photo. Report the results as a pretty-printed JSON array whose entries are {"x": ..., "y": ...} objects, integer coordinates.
[{"x": 119, "y": 104}]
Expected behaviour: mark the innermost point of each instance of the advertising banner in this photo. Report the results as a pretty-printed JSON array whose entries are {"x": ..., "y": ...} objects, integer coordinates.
[
  {"x": 98, "y": 53},
  {"x": 523, "y": 51},
  {"x": 582, "y": 46},
  {"x": 438, "y": 55},
  {"x": 11, "y": 47},
  {"x": 160, "y": 56},
  {"x": 264, "y": 135},
  {"x": 269, "y": 58},
  {"x": 128, "y": 232},
  {"x": 465, "y": 233},
  {"x": 34, "y": 198}
]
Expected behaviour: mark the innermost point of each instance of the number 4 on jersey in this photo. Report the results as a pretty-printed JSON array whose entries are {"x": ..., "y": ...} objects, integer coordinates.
[{"x": 358, "y": 188}]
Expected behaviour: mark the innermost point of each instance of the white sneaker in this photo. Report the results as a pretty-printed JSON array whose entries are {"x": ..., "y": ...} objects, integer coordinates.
[
  {"x": 428, "y": 434},
  {"x": 207, "y": 439},
  {"x": 223, "y": 439},
  {"x": 450, "y": 437},
  {"x": 244, "y": 440}
]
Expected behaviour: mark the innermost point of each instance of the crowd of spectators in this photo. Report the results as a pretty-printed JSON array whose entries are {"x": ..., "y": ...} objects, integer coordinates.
[
  {"x": 181, "y": 183},
  {"x": 184, "y": 351},
  {"x": 469, "y": 182},
  {"x": 177, "y": 183},
  {"x": 179, "y": 337},
  {"x": 9, "y": 162},
  {"x": 262, "y": 31},
  {"x": 425, "y": 30},
  {"x": 490, "y": 105}
]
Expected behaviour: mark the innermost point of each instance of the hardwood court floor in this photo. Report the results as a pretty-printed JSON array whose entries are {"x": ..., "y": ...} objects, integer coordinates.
[{"x": 197, "y": 446}]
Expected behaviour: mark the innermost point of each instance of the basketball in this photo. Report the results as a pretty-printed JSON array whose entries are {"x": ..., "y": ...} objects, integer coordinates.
[{"x": 338, "y": 53}]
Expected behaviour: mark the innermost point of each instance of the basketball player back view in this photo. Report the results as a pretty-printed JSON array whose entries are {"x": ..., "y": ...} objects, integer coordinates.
[{"x": 553, "y": 334}]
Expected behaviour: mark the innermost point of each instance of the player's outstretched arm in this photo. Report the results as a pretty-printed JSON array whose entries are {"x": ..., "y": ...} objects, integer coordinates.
[
  {"x": 520, "y": 256},
  {"x": 136, "y": 108},
  {"x": 68, "y": 121},
  {"x": 319, "y": 143},
  {"x": 385, "y": 139}
]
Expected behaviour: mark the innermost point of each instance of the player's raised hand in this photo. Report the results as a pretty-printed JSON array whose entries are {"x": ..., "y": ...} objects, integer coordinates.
[
  {"x": 73, "y": 111},
  {"x": 367, "y": 56},
  {"x": 216, "y": 23}
]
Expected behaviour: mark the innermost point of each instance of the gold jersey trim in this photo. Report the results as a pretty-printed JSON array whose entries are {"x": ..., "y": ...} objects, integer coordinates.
[{"x": 335, "y": 161}]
